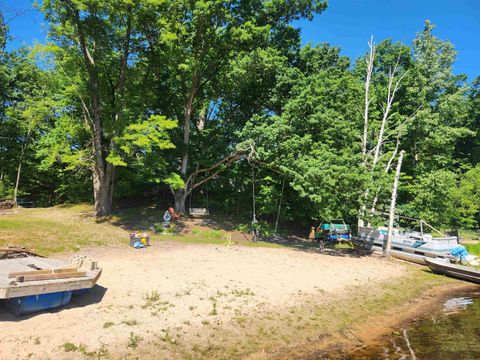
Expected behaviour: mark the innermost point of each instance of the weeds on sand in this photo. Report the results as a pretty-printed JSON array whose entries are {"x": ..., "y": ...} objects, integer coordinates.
[
  {"x": 69, "y": 347},
  {"x": 108, "y": 324},
  {"x": 214, "y": 309},
  {"x": 130, "y": 322},
  {"x": 184, "y": 292},
  {"x": 153, "y": 300},
  {"x": 152, "y": 296},
  {"x": 82, "y": 348},
  {"x": 241, "y": 320},
  {"x": 167, "y": 337},
  {"x": 244, "y": 292},
  {"x": 134, "y": 340}
]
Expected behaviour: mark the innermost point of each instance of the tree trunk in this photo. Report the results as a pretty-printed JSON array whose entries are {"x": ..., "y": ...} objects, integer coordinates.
[
  {"x": 19, "y": 168},
  {"x": 368, "y": 79},
  {"x": 17, "y": 182},
  {"x": 186, "y": 124},
  {"x": 388, "y": 245},
  {"x": 101, "y": 191},
  {"x": 180, "y": 196},
  {"x": 103, "y": 180},
  {"x": 103, "y": 172}
]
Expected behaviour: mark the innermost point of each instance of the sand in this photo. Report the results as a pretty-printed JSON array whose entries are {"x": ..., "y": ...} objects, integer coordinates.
[{"x": 170, "y": 291}]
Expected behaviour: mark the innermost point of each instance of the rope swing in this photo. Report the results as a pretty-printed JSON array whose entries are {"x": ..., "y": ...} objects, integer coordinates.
[
  {"x": 255, "y": 232},
  {"x": 279, "y": 207}
]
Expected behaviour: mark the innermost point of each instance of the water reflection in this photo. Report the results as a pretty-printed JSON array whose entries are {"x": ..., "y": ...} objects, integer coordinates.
[{"x": 451, "y": 333}]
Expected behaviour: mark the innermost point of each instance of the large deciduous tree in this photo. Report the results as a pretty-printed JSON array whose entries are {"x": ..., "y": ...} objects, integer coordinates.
[
  {"x": 95, "y": 44},
  {"x": 190, "y": 46},
  {"x": 313, "y": 139}
]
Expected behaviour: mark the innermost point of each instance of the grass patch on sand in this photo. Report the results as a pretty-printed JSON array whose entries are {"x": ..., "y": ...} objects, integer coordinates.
[
  {"x": 199, "y": 238},
  {"x": 471, "y": 240},
  {"x": 470, "y": 235},
  {"x": 307, "y": 321},
  {"x": 473, "y": 248},
  {"x": 69, "y": 228},
  {"x": 58, "y": 229}
]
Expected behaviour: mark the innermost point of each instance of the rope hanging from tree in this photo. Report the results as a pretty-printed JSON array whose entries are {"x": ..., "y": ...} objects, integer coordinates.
[
  {"x": 253, "y": 193},
  {"x": 206, "y": 189},
  {"x": 279, "y": 207},
  {"x": 206, "y": 194},
  {"x": 254, "y": 220},
  {"x": 206, "y": 198}
]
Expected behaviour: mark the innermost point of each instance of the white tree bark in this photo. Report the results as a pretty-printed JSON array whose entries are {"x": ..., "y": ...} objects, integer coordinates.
[
  {"x": 369, "y": 60},
  {"x": 393, "y": 86},
  {"x": 19, "y": 167},
  {"x": 392, "y": 90},
  {"x": 387, "y": 169},
  {"x": 388, "y": 244},
  {"x": 368, "y": 78}
]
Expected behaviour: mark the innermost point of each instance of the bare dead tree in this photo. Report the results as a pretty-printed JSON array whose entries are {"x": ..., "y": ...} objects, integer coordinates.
[
  {"x": 376, "y": 153},
  {"x": 369, "y": 60},
  {"x": 393, "y": 85},
  {"x": 393, "y": 201}
]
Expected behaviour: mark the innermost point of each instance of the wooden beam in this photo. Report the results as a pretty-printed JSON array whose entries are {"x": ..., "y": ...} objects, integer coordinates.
[
  {"x": 31, "y": 272},
  {"x": 42, "y": 272},
  {"x": 51, "y": 276}
]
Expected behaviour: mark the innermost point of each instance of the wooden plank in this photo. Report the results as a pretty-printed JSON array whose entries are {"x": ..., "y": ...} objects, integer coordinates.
[
  {"x": 33, "y": 288},
  {"x": 65, "y": 270},
  {"x": 41, "y": 272},
  {"x": 32, "y": 272},
  {"x": 51, "y": 276}
]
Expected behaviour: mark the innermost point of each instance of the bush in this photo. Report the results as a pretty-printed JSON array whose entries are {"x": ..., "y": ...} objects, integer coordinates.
[{"x": 466, "y": 200}]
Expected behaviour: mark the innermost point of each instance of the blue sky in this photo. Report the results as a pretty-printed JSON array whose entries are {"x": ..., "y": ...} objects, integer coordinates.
[{"x": 346, "y": 23}]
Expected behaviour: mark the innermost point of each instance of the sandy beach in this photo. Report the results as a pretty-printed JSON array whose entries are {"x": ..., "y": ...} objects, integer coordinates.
[{"x": 175, "y": 299}]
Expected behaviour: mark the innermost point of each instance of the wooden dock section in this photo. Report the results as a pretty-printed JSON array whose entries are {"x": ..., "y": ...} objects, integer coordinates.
[{"x": 35, "y": 275}]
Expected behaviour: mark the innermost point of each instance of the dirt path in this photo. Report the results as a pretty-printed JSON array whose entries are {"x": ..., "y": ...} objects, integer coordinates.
[{"x": 174, "y": 296}]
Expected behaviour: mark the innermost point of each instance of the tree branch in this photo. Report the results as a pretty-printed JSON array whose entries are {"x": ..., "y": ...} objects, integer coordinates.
[
  {"x": 126, "y": 52},
  {"x": 369, "y": 60}
]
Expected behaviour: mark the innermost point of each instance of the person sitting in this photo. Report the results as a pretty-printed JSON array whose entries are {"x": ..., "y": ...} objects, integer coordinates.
[{"x": 175, "y": 216}]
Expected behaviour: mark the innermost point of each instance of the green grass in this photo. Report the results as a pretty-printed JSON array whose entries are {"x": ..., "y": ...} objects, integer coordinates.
[
  {"x": 134, "y": 340},
  {"x": 69, "y": 347},
  {"x": 108, "y": 324},
  {"x": 58, "y": 229},
  {"x": 471, "y": 241},
  {"x": 470, "y": 234},
  {"x": 71, "y": 228},
  {"x": 473, "y": 249},
  {"x": 130, "y": 322},
  {"x": 201, "y": 238}
]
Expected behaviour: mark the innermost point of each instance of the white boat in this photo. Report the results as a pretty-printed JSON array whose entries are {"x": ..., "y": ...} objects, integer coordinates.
[
  {"x": 409, "y": 245},
  {"x": 462, "y": 272}
]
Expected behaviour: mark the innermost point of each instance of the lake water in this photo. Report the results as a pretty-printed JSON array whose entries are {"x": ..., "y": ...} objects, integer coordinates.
[{"x": 451, "y": 332}]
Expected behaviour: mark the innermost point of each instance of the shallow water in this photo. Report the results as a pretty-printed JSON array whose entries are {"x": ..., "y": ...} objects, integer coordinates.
[{"x": 451, "y": 332}]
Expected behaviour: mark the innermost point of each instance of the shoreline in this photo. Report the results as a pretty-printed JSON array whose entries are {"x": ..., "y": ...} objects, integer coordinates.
[{"x": 374, "y": 328}]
